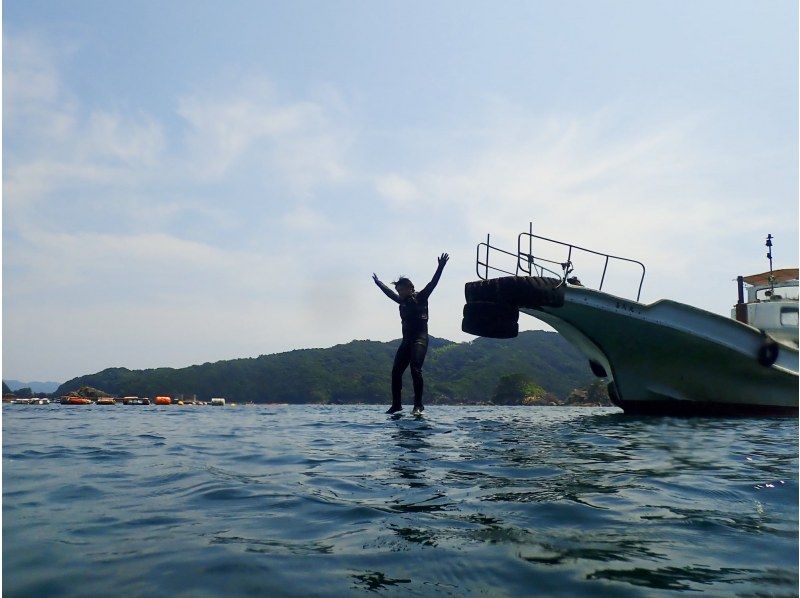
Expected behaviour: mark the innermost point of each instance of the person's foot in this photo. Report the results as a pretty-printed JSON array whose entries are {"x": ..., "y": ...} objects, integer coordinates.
[
  {"x": 395, "y": 409},
  {"x": 418, "y": 409}
]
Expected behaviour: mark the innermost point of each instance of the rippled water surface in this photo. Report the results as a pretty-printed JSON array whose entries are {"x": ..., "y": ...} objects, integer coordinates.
[{"x": 308, "y": 500}]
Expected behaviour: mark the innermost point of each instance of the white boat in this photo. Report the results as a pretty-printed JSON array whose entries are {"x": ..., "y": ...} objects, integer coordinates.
[
  {"x": 31, "y": 401},
  {"x": 661, "y": 358},
  {"x": 135, "y": 401}
]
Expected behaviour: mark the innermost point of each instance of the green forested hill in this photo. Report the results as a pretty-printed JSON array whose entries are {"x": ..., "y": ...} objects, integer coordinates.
[{"x": 359, "y": 372}]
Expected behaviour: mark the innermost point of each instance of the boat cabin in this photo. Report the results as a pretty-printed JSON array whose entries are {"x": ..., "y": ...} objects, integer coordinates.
[{"x": 772, "y": 303}]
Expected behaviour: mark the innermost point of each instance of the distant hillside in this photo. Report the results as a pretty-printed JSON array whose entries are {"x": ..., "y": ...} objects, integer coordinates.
[
  {"x": 34, "y": 386},
  {"x": 359, "y": 372}
]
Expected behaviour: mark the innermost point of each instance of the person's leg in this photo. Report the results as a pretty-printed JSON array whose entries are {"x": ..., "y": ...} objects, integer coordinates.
[
  {"x": 401, "y": 361},
  {"x": 418, "y": 353}
]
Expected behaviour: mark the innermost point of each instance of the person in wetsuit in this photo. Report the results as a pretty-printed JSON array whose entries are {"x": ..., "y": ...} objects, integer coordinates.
[{"x": 412, "y": 349}]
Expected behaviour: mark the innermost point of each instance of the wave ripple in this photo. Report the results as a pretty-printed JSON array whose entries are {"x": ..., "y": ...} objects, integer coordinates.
[{"x": 324, "y": 501}]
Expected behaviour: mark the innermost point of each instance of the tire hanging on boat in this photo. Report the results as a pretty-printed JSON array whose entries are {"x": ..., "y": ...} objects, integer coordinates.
[
  {"x": 490, "y": 319},
  {"x": 768, "y": 353},
  {"x": 493, "y": 330},
  {"x": 489, "y": 311},
  {"x": 492, "y": 307},
  {"x": 521, "y": 291}
]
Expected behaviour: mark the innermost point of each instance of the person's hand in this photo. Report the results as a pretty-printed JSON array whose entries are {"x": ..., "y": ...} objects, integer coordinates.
[
  {"x": 375, "y": 278},
  {"x": 443, "y": 260}
]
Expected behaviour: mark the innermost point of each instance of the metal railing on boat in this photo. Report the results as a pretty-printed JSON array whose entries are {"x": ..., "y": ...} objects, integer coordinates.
[{"x": 528, "y": 264}]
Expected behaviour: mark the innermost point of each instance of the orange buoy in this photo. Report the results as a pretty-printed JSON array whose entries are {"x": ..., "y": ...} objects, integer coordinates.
[
  {"x": 163, "y": 401},
  {"x": 79, "y": 401}
]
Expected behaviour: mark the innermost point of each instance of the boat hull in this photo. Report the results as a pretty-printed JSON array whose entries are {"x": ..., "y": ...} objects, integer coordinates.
[{"x": 668, "y": 358}]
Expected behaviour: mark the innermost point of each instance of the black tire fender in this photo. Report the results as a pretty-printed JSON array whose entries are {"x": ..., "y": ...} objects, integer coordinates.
[
  {"x": 768, "y": 353},
  {"x": 522, "y": 291},
  {"x": 535, "y": 291},
  {"x": 497, "y": 329},
  {"x": 490, "y": 312}
]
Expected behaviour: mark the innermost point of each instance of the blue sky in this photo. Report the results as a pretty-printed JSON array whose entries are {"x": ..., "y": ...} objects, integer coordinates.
[{"x": 185, "y": 182}]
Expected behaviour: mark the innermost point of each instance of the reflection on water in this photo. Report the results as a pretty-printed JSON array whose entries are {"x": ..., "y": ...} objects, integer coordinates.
[
  {"x": 324, "y": 501},
  {"x": 375, "y": 580}
]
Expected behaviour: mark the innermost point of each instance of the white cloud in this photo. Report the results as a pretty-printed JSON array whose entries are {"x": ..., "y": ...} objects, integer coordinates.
[
  {"x": 52, "y": 144},
  {"x": 112, "y": 138},
  {"x": 397, "y": 190},
  {"x": 305, "y": 219},
  {"x": 291, "y": 146},
  {"x": 30, "y": 77},
  {"x": 303, "y": 142},
  {"x": 159, "y": 264}
]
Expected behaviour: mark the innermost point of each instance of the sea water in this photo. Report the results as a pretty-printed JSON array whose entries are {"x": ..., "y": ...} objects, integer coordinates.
[{"x": 323, "y": 501}]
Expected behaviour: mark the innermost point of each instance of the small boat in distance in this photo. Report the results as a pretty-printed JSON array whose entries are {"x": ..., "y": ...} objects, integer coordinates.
[
  {"x": 76, "y": 401},
  {"x": 218, "y": 402},
  {"x": 135, "y": 401},
  {"x": 665, "y": 358}
]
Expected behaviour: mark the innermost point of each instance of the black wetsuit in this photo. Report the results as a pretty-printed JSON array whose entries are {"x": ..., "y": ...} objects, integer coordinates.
[{"x": 414, "y": 346}]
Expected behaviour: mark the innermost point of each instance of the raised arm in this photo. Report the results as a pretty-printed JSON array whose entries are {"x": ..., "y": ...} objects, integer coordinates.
[
  {"x": 386, "y": 290},
  {"x": 426, "y": 292}
]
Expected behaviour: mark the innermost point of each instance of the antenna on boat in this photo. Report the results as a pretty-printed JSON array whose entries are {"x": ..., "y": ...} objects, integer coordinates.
[
  {"x": 531, "y": 265},
  {"x": 769, "y": 257}
]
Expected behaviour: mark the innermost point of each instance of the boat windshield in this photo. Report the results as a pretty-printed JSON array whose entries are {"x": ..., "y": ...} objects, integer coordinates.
[{"x": 783, "y": 292}]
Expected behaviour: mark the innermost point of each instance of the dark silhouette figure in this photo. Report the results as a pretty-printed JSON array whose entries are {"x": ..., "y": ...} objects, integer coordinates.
[{"x": 412, "y": 350}]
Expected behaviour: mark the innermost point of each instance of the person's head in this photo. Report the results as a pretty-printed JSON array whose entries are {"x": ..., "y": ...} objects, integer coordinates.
[{"x": 404, "y": 287}]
